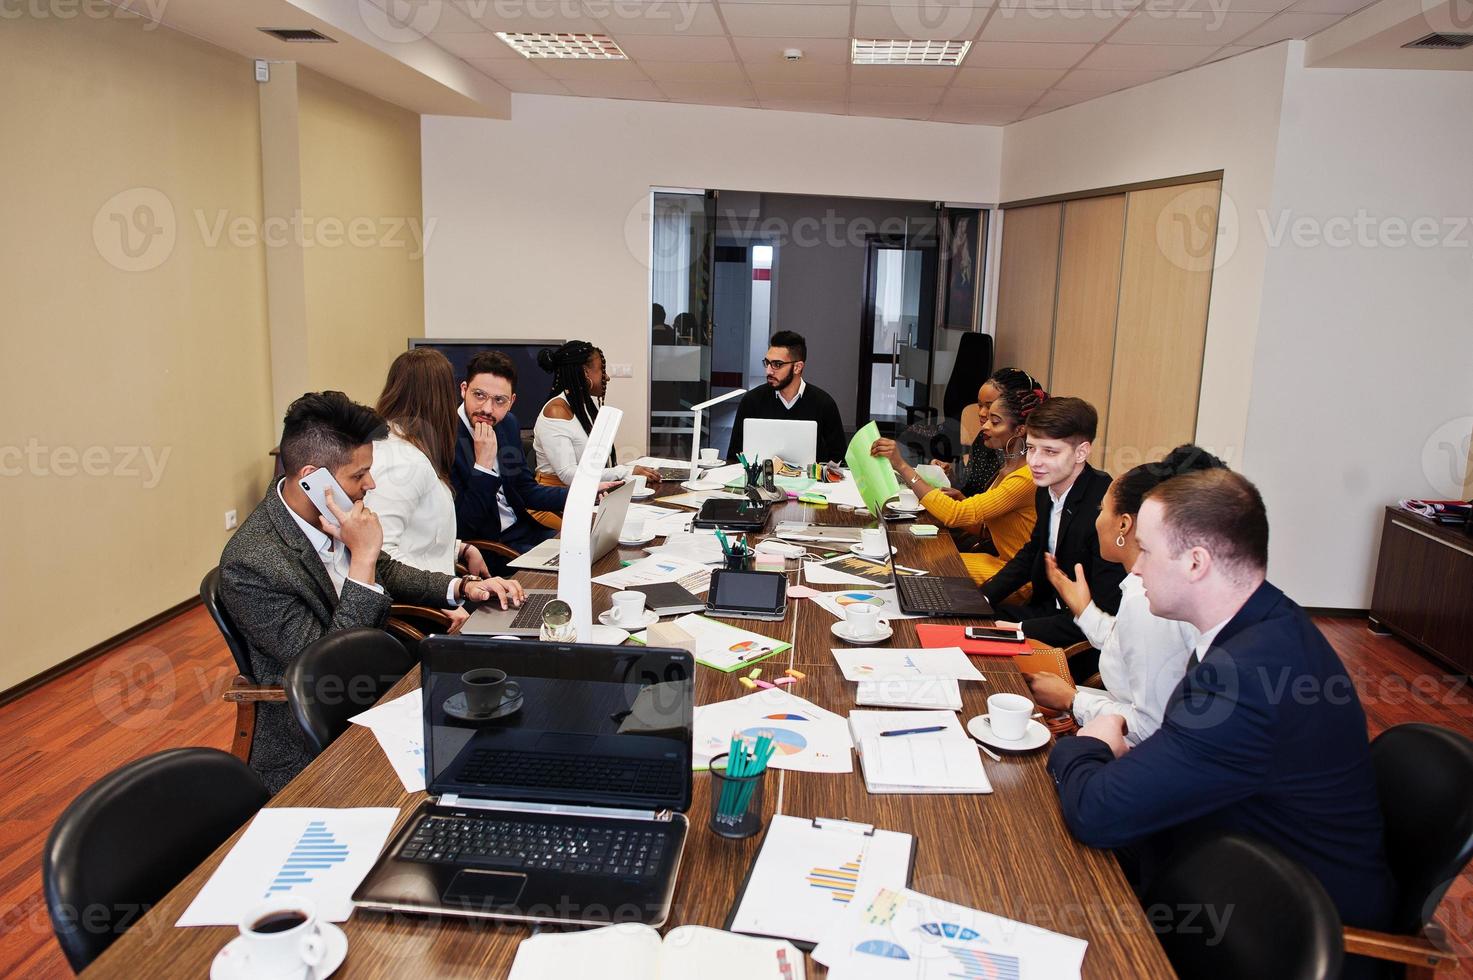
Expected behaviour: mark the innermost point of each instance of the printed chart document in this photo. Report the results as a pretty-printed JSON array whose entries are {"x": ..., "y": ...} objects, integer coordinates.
[
  {"x": 894, "y": 663},
  {"x": 899, "y": 934},
  {"x": 834, "y": 602},
  {"x": 721, "y": 646},
  {"x": 809, "y": 871},
  {"x": 318, "y": 852},
  {"x": 695, "y": 577},
  {"x": 399, "y": 726},
  {"x": 923, "y": 692},
  {"x": 945, "y": 761},
  {"x": 631, "y": 951},
  {"x": 808, "y": 738}
]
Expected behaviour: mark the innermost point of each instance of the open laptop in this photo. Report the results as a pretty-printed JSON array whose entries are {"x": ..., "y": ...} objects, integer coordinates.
[
  {"x": 606, "y": 527},
  {"x": 791, "y": 440},
  {"x": 564, "y": 802}
]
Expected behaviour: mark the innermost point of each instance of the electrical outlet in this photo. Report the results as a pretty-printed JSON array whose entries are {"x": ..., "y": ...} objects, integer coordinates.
[
  {"x": 621, "y": 370},
  {"x": 230, "y": 520}
]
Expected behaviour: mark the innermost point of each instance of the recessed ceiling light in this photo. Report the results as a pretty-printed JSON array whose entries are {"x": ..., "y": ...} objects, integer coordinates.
[
  {"x": 598, "y": 47},
  {"x": 907, "y": 52}
]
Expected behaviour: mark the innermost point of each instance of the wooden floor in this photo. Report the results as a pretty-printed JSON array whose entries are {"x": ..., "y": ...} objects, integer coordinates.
[{"x": 163, "y": 690}]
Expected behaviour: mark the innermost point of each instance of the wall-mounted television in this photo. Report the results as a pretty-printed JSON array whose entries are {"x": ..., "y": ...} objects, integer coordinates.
[{"x": 534, "y": 385}]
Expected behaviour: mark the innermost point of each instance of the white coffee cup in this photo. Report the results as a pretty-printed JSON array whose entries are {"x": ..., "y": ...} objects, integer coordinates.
[
  {"x": 628, "y": 607},
  {"x": 863, "y": 620},
  {"x": 710, "y": 455},
  {"x": 1008, "y": 715},
  {"x": 639, "y": 482},
  {"x": 907, "y": 500},
  {"x": 872, "y": 542},
  {"x": 282, "y": 937},
  {"x": 635, "y": 529}
]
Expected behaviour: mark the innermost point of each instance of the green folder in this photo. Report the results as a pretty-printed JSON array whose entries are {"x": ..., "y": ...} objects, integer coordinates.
[{"x": 873, "y": 475}]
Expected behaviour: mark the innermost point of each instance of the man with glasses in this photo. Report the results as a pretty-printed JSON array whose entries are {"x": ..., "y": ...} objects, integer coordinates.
[
  {"x": 787, "y": 396},
  {"x": 494, "y": 486}
]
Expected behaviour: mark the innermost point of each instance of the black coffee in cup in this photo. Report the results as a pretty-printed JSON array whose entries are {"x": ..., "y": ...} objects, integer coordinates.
[
  {"x": 278, "y": 921},
  {"x": 484, "y": 688}
]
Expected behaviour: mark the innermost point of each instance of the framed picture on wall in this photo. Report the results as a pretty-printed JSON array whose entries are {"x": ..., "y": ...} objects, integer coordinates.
[{"x": 961, "y": 246}]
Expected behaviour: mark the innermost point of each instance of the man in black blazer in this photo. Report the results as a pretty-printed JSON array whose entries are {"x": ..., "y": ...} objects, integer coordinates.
[
  {"x": 1265, "y": 734},
  {"x": 1060, "y": 433},
  {"x": 494, "y": 486}
]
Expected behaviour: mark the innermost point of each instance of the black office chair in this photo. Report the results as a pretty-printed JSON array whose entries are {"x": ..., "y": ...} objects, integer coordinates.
[
  {"x": 338, "y": 676},
  {"x": 245, "y": 692},
  {"x": 1424, "y": 778},
  {"x": 135, "y": 834},
  {"x": 1274, "y": 918},
  {"x": 926, "y": 437}
]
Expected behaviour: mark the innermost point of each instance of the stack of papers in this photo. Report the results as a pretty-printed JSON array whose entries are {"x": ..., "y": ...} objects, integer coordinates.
[
  {"x": 659, "y": 521},
  {"x": 695, "y": 577},
  {"x": 895, "y": 663},
  {"x": 923, "y": 692},
  {"x": 942, "y": 761},
  {"x": 722, "y": 646},
  {"x": 633, "y": 951},
  {"x": 399, "y": 726},
  {"x": 700, "y": 546},
  {"x": 808, "y": 738}
]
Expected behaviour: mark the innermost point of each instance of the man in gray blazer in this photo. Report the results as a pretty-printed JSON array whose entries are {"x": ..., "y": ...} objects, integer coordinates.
[{"x": 289, "y": 576}]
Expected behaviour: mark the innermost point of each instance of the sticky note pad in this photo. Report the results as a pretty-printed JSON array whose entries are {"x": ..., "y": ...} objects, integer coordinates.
[
  {"x": 924, "y": 530},
  {"x": 748, "y": 683}
]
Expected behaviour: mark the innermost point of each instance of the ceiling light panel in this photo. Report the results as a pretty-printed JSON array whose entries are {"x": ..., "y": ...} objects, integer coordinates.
[
  {"x": 909, "y": 52},
  {"x": 589, "y": 47}
]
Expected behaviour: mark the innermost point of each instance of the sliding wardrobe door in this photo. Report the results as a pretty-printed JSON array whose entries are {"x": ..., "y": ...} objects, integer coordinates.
[
  {"x": 1027, "y": 279},
  {"x": 1165, "y": 278},
  {"x": 1089, "y": 290}
]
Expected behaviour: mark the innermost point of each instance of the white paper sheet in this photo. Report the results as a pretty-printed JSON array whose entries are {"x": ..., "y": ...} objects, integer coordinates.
[
  {"x": 924, "y": 692},
  {"x": 724, "y": 646},
  {"x": 810, "y": 738},
  {"x": 318, "y": 852},
  {"x": 399, "y": 727},
  {"x": 694, "y": 577},
  {"x": 844, "y": 493},
  {"x": 834, "y": 602},
  {"x": 701, "y": 546},
  {"x": 695, "y": 498},
  {"x": 886, "y": 663}
]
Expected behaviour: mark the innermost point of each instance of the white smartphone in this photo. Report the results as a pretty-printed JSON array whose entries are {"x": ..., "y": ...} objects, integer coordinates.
[
  {"x": 993, "y": 633},
  {"x": 317, "y": 485}
]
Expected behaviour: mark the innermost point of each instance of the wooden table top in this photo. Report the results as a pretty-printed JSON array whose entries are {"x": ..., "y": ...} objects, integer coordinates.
[{"x": 1008, "y": 853}]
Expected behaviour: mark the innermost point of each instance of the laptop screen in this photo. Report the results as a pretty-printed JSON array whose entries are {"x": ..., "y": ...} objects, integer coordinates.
[{"x": 568, "y": 723}]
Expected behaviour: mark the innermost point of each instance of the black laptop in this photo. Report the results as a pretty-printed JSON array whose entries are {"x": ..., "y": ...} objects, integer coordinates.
[{"x": 559, "y": 798}]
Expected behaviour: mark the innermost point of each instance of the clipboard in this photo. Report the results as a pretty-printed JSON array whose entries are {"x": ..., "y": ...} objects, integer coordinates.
[{"x": 818, "y": 823}]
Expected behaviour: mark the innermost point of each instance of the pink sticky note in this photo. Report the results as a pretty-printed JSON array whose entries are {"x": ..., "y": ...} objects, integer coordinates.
[
  {"x": 785, "y": 681},
  {"x": 766, "y": 684},
  {"x": 801, "y": 592}
]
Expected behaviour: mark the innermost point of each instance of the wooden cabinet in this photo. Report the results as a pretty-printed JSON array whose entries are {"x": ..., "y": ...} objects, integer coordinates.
[{"x": 1424, "y": 587}]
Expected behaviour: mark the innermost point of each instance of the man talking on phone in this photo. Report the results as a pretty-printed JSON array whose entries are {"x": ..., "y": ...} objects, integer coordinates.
[{"x": 293, "y": 573}]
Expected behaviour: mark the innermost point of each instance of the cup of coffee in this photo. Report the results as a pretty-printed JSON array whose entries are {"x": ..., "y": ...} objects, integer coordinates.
[
  {"x": 282, "y": 937},
  {"x": 628, "y": 608},
  {"x": 1008, "y": 715},
  {"x": 635, "y": 529},
  {"x": 907, "y": 500},
  {"x": 872, "y": 542},
  {"x": 863, "y": 621},
  {"x": 639, "y": 483},
  {"x": 484, "y": 688},
  {"x": 710, "y": 455}
]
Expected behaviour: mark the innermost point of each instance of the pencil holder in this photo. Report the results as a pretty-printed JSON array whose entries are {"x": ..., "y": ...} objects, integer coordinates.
[
  {"x": 736, "y": 801},
  {"x": 739, "y": 561}
]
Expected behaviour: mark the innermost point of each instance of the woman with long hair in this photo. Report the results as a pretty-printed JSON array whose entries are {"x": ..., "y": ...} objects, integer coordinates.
[
  {"x": 1002, "y": 515},
  {"x": 580, "y": 379}
]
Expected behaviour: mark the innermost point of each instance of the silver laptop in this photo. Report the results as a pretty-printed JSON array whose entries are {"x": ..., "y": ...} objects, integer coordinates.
[
  {"x": 557, "y": 795},
  {"x": 606, "y": 527},
  {"x": 791, "y": 440}
]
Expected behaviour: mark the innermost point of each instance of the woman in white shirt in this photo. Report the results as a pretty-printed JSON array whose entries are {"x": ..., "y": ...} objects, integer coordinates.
[
  {"x": 411, "y": 468},
  {"x": 579, "y": 376},
  {"x": 1142, "y": 657}
]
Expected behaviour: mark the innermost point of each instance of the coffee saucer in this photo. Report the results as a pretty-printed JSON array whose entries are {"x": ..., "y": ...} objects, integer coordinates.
[
  {"x": 865, "y": 554},
  {"x": 646, "y": 619},
  {"x": 710, "y": 464},
  {"x": 233, "y": 963},
  {"x": 1034, "y": 737},
  {"x": 637, "y": 542},
  {"x": 511, "y": 703},
  {"x": 699, "y": 485},
  {"x": 841, "y": 630},
  {"x": 644, "y": 494}
]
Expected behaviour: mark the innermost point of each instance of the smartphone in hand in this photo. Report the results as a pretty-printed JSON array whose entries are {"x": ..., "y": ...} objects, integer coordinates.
[{"x": 317, "y": 485}]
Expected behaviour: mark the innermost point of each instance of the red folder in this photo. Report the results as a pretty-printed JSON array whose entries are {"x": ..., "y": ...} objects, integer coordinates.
[{"x": 941, "y": 635}]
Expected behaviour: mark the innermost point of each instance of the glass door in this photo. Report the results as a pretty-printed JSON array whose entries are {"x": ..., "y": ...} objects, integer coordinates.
[
  {"x": 897, "y": 327},
  {"x": 682, "y": 242}
]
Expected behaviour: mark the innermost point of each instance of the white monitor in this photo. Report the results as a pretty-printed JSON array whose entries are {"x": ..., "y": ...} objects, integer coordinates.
[{"x": 791, "y": 440}]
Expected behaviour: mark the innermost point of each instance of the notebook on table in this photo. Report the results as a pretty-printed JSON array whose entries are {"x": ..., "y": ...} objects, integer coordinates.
[{"x": 945, "y": 761}]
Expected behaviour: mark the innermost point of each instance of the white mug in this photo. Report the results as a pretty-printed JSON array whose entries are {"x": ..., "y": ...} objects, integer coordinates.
[
  {"x": 628, "y": 607},
  {"x": 710, "y": 455},
  {"x": 864, "y": 620},
  {"x": 1008, "y": 715},
  {"x": 872, "y": 542},
  {"x": 282, "y": 937},
  {"x": 634, "y": 529},
  {"x": 639, "y": 483},
  {"x": 907, "y": 500}
]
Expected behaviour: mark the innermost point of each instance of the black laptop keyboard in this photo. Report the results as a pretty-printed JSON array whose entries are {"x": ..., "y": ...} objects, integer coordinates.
[
  {"x": 529, "y": 617},
  {"x": 535, "y": 845},
  {"x": 922, "y": 594},
  {"x": 579, "y": 773}
]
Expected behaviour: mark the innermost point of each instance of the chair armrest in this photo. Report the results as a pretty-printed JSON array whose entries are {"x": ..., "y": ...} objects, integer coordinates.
[
  {"x": 1411, "y": 950},
  {"x": 487, "y": 548},
  {"x": 1075, "y": 649},
  {"x": 242, "y": 691},
  {"x": 407, "y": 612}
]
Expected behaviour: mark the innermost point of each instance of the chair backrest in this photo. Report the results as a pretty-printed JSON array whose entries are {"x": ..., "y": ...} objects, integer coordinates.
[
  {"x": 1231, "y": 906},
  {"x": 971, "y": 425},
  {"x": 135, "y": 834},
  {"x": 338, "y": 676},
  {"x": 209, "y": 592},
  {"x": 973, "y": 365},
  {"x": 1424, "y": 777}
]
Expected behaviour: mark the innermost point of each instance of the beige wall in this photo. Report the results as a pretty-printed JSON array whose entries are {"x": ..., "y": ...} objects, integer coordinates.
[{"x": 135, "y": 373}]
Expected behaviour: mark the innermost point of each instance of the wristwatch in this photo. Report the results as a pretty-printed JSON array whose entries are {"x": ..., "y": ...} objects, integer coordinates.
[{"x": 464, "y": 581}]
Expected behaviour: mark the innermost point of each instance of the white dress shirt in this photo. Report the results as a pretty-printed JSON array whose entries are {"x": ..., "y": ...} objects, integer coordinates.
[
  {"x": 334, "y": 555},
  {"x": 789, "y": 404},
  {"x": 558, "y": 445},
  {"x": 1142, "y": 659},
  {"x": 1205, "y": 643},
  {"x": 503, "y": 508},
  {"x": 414, "y": 506},
  {"x": 1056, "y": 514}
]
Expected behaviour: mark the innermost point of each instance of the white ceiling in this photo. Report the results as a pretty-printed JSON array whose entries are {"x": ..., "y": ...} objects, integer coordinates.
[{"x": 1028, "y": 56}]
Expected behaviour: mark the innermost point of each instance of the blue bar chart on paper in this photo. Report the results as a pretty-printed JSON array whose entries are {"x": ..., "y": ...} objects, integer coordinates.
[{"x": 317, "y": 850}]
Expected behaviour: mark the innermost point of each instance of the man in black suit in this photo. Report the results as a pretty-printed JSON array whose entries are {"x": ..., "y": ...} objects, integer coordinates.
[
  {"x": 1060, "y": 433},
  {"x": 494, "y": 486}
]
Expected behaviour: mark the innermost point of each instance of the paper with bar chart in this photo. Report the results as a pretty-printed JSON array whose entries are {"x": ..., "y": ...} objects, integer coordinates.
[
  {"x": 808, "y": 871},
  {"x": 318, "y": 852}
]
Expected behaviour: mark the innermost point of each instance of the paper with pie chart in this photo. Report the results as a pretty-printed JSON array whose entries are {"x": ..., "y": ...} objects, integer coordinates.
[
  {"x": 808, "y": 738},
  {"x": 835, "y": 602},
  {"x": 894, "y": 663}
]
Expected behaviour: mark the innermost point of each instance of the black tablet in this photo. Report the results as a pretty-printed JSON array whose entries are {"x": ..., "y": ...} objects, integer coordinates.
[{"x": 747, "y": 595}]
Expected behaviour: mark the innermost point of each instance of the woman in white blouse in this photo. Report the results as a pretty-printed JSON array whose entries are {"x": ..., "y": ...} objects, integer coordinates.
[
  {"x": 579, "y": 376},
  {"x": 1142, "y": 657},
  {"x": 411, "y": 468}
]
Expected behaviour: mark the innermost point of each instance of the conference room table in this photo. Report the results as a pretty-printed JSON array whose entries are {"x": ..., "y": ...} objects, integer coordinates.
[{"x": 1008, "y": 852}]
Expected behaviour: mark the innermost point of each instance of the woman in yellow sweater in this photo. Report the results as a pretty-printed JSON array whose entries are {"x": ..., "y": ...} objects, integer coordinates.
[{"x": 1003, "y": 515}]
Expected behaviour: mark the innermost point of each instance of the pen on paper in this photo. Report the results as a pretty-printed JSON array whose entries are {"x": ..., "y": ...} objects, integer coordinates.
[{"x": 914, "y": 731}]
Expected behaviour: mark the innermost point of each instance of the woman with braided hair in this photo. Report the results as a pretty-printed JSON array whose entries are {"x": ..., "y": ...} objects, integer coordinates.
[
  {"x": 1002, "y": 515},
  {"x": 580, "y": 378}
]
